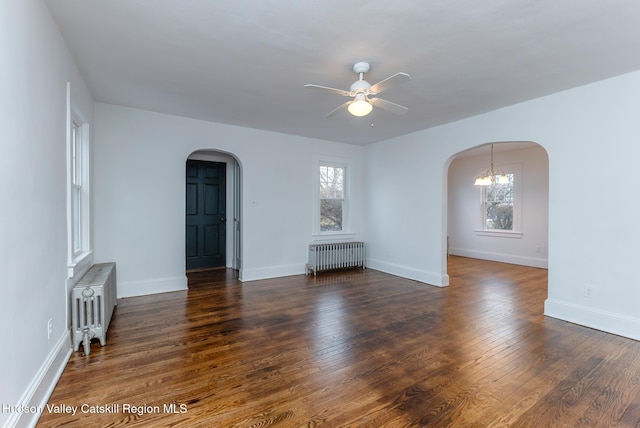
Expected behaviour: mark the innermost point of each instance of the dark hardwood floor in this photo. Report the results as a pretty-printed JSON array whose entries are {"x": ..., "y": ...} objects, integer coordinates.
[{"x": 352, "y": 349}]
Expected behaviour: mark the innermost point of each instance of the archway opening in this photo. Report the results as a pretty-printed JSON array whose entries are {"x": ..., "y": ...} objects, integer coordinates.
[
  {"x": 213, "y": 212},
  {"x": 512, "y": 227}
]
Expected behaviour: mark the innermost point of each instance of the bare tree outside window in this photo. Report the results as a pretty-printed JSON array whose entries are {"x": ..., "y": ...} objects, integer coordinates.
[{"x": 331, "y": 198}]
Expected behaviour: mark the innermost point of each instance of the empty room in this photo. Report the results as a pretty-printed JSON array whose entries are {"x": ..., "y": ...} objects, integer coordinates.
[{"x": 363, "y": 213}]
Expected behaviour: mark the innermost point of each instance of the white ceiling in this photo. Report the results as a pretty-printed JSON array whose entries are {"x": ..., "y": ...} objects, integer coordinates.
[{"x": 244, "y": 62}]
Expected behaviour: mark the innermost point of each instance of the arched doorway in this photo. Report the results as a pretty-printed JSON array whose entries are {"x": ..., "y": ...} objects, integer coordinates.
[
  {"x": 524, "y": 239},
  {"x": 227, "y": 209}
]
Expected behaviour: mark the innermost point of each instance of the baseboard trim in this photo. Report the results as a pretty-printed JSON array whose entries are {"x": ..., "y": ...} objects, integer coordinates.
[
  {"x": 431, "y": 278},
  {"x": 151, "y": 286},
  {"x": 271, "y": 272},
  {"x": 501, "y": 257},
  {"x": 609, "y": 322},
  {"x": 37, "y": 394}
]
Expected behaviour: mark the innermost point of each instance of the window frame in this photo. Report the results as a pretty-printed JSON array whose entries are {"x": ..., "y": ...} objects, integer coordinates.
[
  {"x": 340, "y": 200},
  {"x": 78, "y": 188},
  {"x": 317, "y": 233},
  {"x": 486, "y": 202},
  {"x": 516, "y": 230}
]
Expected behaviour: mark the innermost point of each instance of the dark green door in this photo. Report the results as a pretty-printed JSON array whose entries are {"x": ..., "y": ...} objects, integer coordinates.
[{"x": 205, "y": 212}]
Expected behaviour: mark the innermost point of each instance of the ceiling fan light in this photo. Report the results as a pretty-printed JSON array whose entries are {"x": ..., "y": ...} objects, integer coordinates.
[{"x": 360, "y": 106}]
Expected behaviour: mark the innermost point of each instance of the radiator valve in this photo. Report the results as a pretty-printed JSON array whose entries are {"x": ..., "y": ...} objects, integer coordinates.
[{"x": 87, "y": 335}]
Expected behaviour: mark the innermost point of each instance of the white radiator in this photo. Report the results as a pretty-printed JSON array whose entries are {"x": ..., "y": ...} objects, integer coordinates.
[
  {"x": 93, "y": 299},
  {"x": 339, "y": 255}
]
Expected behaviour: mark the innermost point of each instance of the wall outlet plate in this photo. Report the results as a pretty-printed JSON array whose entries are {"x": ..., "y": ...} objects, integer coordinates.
[{"x": 588, "y": 291}]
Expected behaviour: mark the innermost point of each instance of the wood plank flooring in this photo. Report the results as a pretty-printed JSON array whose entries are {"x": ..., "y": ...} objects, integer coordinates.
[{"x": 352, "y": 349}]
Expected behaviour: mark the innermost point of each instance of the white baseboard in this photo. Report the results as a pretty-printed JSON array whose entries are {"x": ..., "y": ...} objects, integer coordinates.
[
  {"x": 501, "y": 257},
  {"x": 39, "y": 390},
  {"x": 272, "y": 272},
  {"x": 593, "y": 318},
  {"x": 269, "y": 272},
  {"x": 431, "y": 278},
  {"x": 151, "y": 286}
]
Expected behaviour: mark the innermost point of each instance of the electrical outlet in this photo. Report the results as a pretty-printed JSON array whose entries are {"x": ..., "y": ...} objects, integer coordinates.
[
  {"x": 49, "y": 328},
  {"x": 588, "y": 291}
]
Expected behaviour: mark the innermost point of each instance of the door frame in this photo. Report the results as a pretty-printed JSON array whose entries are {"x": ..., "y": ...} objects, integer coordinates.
[{"x": 233, "y": 202}]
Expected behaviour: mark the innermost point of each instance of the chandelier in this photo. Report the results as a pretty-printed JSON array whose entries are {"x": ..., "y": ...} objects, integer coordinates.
[{"x": 491, "y": 176}]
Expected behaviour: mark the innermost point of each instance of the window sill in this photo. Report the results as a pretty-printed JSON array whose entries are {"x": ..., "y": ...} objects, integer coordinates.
[
  {"x": 498, "y": 233},
  {"x": 79, "y": 264},
  {"x": 332, "y": 236}
]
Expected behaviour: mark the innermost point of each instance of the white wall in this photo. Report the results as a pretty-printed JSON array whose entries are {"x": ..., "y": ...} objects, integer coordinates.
[
  {"x": 593, "y": 227},
  {"x": 404, "y": 206},
  {"x": 140, "y": 195},
  {"x": 530, "y": 248},
  {"x": 35, "y": 67}
]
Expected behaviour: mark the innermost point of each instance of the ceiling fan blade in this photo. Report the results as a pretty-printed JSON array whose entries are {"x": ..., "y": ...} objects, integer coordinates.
[
  {"x": 389, "y": 106},
  {"x": 390, "y": 82},
  {"x": 326, "y": 88},
  {"x": 338, "y": 109}
]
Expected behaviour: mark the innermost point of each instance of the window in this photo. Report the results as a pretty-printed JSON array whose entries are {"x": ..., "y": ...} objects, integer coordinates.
[
  {"x": 497, "y": 205},
  {"x": 332, "y": 198},
  {"x": 78, "y": 188}
]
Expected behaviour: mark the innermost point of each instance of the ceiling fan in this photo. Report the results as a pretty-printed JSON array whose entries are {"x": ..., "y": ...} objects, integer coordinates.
[{"x": 363, "y": 94}]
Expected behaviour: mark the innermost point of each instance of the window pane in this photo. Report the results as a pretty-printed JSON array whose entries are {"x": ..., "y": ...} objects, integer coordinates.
[
  {"x": 76, "y": 218},
  {"x": 501, "y": 191},
  {"x": 75, "y": 153},
  {"x": 331, "y": 182},
  {"x": 498, "y": 206},
  {"x": 331, "y": 214},
  {"x": 499, "y": 216}
]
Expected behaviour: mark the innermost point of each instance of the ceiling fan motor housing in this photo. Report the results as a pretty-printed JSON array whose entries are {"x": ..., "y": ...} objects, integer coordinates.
[
  {"x": 360, "y": 86},
  {"x": 361, "y": 67}
]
